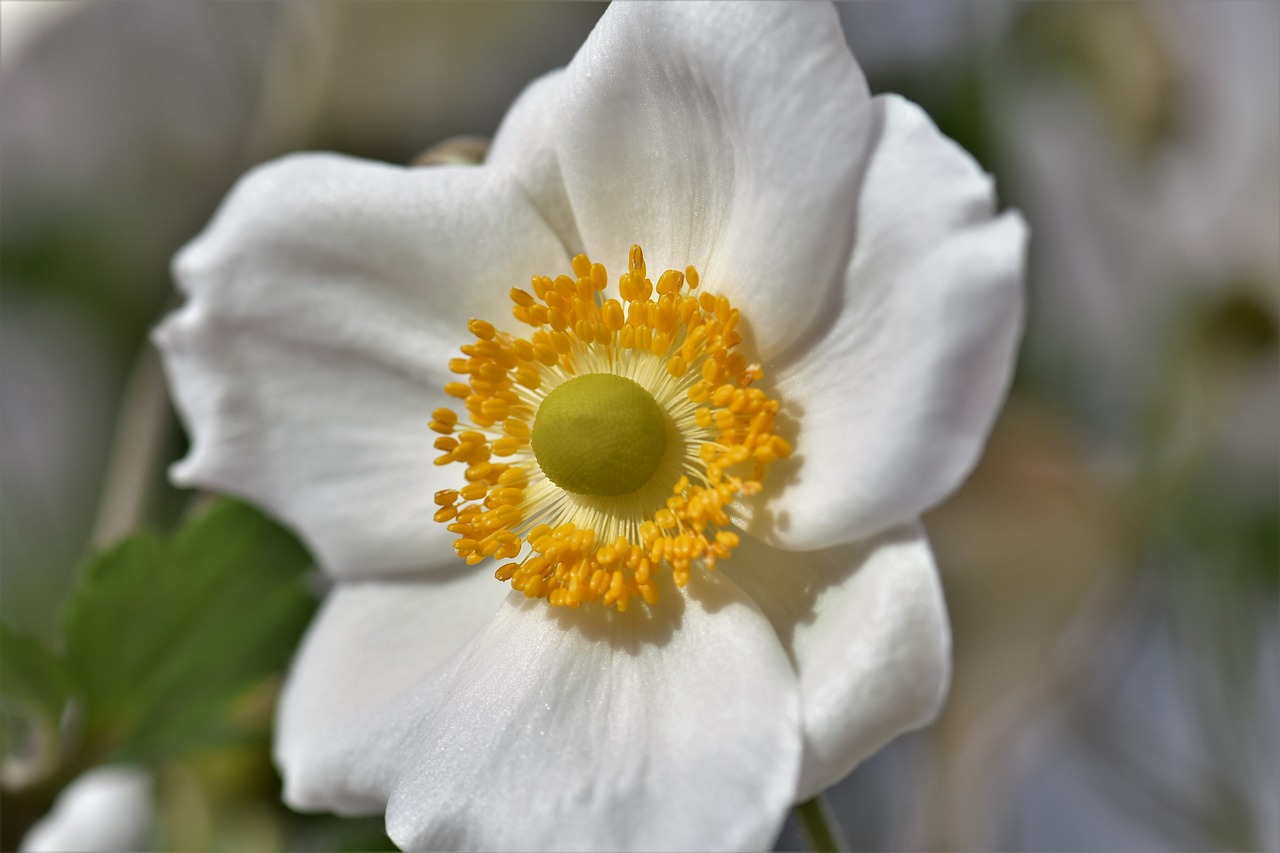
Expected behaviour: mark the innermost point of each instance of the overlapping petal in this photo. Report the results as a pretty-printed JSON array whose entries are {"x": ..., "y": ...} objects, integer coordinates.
[
  {"x": 866, "y": 627},
  {"x": 325, "y": 301},
  {"x": 725, "y": 135},
  {"x": 524, "y": 147},
  {"x": 675, "y": 727},
  {"x": 343, "y": 730},
  {"x": 893, "y": 400}
]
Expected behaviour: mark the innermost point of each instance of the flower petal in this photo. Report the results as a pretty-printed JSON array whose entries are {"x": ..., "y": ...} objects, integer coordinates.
[
  {"x": 326, "y": 299},
  {"x": 524, "y": 146},
  {"x": 893, "y": 403},
  {"x": 866, "y": 628},
  {"x": 672, "y": 728},
  {"x": 341, "y": 735},
  {"x": 728, "y": 136},
  {"x": 111, "y": 807}
]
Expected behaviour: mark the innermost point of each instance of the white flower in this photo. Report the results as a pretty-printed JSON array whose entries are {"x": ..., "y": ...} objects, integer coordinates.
[
  {"x": 1136, "y": 240},
  {"x": 877, "y": 289},
  {"x": 109, "y": 808}
]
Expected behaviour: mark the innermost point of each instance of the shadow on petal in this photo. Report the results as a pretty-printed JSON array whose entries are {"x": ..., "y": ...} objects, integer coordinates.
[{"x": 788, "y": 584}]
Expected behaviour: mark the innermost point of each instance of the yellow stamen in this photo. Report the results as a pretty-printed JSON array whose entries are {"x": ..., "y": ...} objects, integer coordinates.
[{"x": 607, "y": 541}]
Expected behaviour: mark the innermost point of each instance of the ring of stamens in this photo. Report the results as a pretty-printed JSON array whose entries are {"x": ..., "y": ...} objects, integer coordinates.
[{"x": 571, "y": 548}]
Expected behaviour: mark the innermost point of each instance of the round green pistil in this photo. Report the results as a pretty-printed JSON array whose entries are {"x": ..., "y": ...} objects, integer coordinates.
[{"x": 599, "y": 434}]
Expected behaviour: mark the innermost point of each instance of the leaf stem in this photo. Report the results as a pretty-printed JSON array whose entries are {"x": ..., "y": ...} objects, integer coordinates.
[{"x": 820, "y": 828}]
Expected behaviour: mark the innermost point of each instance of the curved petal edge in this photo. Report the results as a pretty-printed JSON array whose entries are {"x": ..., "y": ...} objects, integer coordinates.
[{"x": 892, "y": 403}]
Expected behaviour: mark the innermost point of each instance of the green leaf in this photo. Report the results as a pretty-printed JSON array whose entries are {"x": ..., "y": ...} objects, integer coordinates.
[
  {"x": 33, "y": 693},
  {"x": 31, "y": 675},
  {"x": 163, "y": 636}
]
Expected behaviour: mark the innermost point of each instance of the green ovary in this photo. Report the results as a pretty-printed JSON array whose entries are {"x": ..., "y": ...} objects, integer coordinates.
[{"x": 599, "y": 434}]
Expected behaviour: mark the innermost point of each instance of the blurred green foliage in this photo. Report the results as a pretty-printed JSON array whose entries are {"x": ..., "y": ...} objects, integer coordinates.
[{"x": 161, "y": 638}]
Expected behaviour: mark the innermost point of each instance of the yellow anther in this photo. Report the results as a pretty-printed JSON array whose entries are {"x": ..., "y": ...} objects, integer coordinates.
[
  {"x": 687, "y": 313},
  {"x": 636, "y": 261},
  {"x": 613, "y": 316},
  {"x": 507, "y": 446},
  {"x": 522, "y": 350},
  {"x": 722, "y": 308},
  {"x": 515, "y": 477},
  {"x": 546, "y": 354},
  {"x": 670, "y": 282},
  {"x": 528, "y": 377},
  {"x": 473, "y": 491},
  {"x": 666, "y": 314},
  {"x": 723, "y": 395},
  {"x": 661, "y": 343},
  {"x": 681, "y": 348},
  {"x": 478, "y": 471}
]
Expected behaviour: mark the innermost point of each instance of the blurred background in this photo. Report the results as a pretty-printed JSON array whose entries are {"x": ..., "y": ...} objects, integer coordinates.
[{"x": 1112, "y": 568}]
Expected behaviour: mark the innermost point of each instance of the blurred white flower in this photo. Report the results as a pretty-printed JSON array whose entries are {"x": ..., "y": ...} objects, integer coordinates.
[
  {"x": 1157, "y": 181},
  {"x": 109, "y": 808},
  {"x": 877, "y": 288},
  {"x": 23, "y": 23}
]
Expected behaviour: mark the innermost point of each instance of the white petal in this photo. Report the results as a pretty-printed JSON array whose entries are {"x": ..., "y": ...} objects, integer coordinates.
[
  {"x": 109, "y": 808},
  {"x": 524, "y": 146},
  {"x": 653, "y": 730},
  {"x": 866, "y": 627},
  {"x": 894, "y": 401},
  {"x": 326, "y": 299},
  {"x": 728, "y": 136},
  {"x": 341, "y": 729}
]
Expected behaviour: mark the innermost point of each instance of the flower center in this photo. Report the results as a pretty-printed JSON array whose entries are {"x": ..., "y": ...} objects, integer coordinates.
[
  {"x": 609, "y": 445},
  {"x": 599, "y": 434}
]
